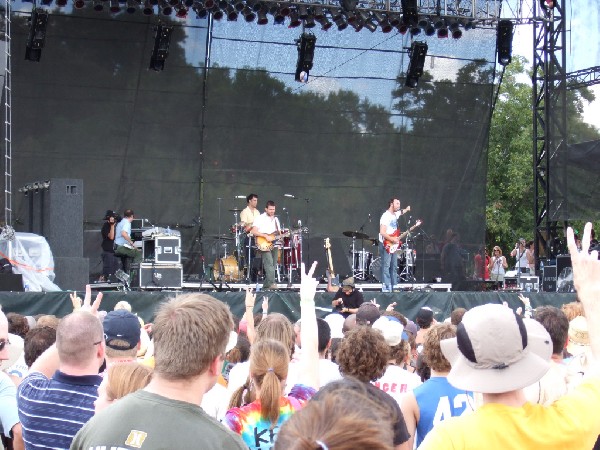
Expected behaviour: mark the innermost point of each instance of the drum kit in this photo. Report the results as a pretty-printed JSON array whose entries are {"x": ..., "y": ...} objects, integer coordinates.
[
  {"x": 365, "y": 267},
  {"x": 238, "y": 265}
]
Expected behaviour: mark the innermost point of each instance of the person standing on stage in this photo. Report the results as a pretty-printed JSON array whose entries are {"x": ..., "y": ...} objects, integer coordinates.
[
  {"x": 267, "y": 226},
  {"x": 250, "y": 212},
  {"x": 247, "y": 218},
  {"x": 520, "y": 254},
  {"x": 109, "y": 262},
  {"x": 498, "y": 265},
  {"x": 124, "y": 242},
  {"x": 388, "y": 226}
]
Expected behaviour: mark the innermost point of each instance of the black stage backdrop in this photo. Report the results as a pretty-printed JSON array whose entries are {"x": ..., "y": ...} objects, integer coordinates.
[{"x": 170, "y": 144}]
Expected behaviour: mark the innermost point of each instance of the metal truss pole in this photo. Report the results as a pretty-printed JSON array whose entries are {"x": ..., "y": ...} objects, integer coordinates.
[
  {"x": 7, "y": 95},
  {"x": 549, "y": 130}
]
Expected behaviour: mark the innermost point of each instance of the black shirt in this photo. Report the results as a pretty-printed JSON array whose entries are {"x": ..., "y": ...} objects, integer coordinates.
[
  {"x": 107, "y": 244},
  {"x": 352, "y": 300}
]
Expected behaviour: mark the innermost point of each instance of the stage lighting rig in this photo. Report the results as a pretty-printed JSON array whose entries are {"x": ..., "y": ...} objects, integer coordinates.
[
  {"x": 410, "y": 12},
  {"x": 37, "y": 34},
  {"x": 418, "y": 51},
  {"x": 504, "y": 37},
  {"x": 160, "y": 52},
  {"x": 306, "y": 51}
]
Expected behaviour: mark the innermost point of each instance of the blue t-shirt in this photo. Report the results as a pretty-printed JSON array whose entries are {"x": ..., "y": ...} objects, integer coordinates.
[
  {"x": 123, "y": 225},
  {"x": 438, "y": 400},
  {"x": 53, "y": 410}
]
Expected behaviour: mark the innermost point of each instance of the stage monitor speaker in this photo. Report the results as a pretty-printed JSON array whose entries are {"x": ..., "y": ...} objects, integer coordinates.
[
  {"x": 11, "y": 282},
  {"x": 429, "y": 266},
  {"x": 549, "y": 279},
  {"x": 63, "y": 217},
  {"x": 71, "y": 273}
]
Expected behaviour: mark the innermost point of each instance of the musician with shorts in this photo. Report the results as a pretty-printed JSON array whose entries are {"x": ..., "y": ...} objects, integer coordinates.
[
  {"x": 389, "y": 240},
  {"x": 266, "y": 228}
]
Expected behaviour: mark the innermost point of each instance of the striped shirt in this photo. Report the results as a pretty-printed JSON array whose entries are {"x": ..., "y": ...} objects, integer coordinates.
[{"x": 53, "y": 410}]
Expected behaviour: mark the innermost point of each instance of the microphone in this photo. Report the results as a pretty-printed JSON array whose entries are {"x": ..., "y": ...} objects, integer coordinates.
[
  {"x": 369, "y": 217},
  {"x": 289, "y": 195},
  {"x": 240, "y": 196},
  {"x": 284, "y": 209}
]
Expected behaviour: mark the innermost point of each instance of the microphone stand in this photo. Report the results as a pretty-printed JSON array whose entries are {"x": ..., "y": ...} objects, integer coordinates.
[{"x": 306, "y": 224}]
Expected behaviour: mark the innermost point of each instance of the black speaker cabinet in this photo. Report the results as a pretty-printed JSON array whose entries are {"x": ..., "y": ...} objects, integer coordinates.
[{"x": 549, "y": 279}]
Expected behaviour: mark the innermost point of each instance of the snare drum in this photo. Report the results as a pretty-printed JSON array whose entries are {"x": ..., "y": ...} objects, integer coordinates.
[{"x": 226, "y": 269}]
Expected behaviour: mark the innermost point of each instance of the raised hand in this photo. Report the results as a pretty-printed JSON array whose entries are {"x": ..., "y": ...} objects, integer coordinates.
[{"x": 308, "y": 283}]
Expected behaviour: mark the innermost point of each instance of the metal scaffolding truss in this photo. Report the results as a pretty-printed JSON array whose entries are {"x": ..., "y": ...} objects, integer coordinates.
[
  {"x": 583, "y": 78},
  {"x": 549, "y": 130},
  {"x": 7, "y": 97}
]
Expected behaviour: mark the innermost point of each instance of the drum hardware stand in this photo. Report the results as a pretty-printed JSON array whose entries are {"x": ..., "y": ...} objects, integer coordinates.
[{"x": 407, "y": 274}]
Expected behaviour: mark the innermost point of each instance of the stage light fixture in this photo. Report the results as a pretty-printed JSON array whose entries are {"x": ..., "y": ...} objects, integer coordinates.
[
  {"x": 348, "y": 5},
  {"x": 415, "y": 30},
  {"x": 148, "y": 8},
  {"x": 429, "y": 29},
  {"x": 455, "y": 30},
  {"x": 216, "y": 12},
  {"x": 78, "y": 4},
  {"x": 98, "y": 5},
  {"x": 318, "y": 13},
  {"x": 239, "y": 5},
  {"x": 278, "y": 19},
  {"x": 132, "y": 6},
  {"x": 249, "y": 15},
  {"x": 160, "y": 52},
  {"x": 262, "y": 17},
  {"x": 548, "y": 5},
  {"x": 325, "y": 24},
  {"x": 181, "y": 11},
  {"x": 306, "y": 52},
  {"x": 418, "y": 51},
  {"x": 339, "y": 19},
  {"x": 504, "y": 37},
  {"x": 470, "y": 25},
  {"x": 302, "y": 12},
  {"x": 309, "y": 22},
  {"x": 351, "y": 17},
  {"x": 370, "y": 25},
  {"x": 294, "y": 20},
  {"x": 232, "y": 14},
  {"x": 357, "y": 25},
  {"x": 114, "y": 6},
  {"x": 284, "y": 9},
  {"x": 394, "y": 20},
  {"x": 37, "y": 34},
  {"x": 410, "y": 12},
  {"x": 402, "y": 28},
  {"x": 46, "y": 2},
  {"x": 442, "y": 33},
  {"x": 165, "y": 8},
  {"x": 61, "y": 3},
  {"x": 208, "y": 4},
  {"x": 188, "y": 3}
]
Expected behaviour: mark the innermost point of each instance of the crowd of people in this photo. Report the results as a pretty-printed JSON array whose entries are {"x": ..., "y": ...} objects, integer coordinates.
[{"x": 197, "y": 377}]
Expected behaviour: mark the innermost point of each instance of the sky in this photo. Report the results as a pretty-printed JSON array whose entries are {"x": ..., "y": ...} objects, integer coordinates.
[{"x": 583, "y": 44}]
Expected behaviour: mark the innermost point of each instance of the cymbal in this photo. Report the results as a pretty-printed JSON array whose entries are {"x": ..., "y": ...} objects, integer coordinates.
[
  {"x": 355, "y": 235},
  {"x": 235, "y": 210},
  {"x": 222, "y": 237}
]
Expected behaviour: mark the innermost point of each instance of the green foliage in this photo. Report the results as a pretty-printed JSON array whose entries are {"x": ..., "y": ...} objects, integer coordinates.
[{"x": 510, "y": 191}]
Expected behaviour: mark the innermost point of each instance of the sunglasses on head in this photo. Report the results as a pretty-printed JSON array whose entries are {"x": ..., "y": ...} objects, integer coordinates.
[{"x": 3, "y": 343}]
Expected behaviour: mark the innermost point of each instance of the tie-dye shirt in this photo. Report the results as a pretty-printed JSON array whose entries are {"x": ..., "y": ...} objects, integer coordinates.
[{"x": 255, "y": 430}]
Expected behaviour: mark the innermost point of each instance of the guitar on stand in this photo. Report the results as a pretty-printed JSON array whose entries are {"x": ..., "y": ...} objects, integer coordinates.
[
  {"x": 332, "y": 278},
  {"x": 391, "y": 247}
]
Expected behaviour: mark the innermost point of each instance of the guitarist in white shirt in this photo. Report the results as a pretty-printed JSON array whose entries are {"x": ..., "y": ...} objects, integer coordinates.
[
  {"x": 267, "y": 226},
  {"x": 388, "y": 232}
]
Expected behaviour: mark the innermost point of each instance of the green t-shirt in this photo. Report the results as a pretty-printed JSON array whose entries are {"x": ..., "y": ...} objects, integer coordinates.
[{"x": 149, "y": 421}]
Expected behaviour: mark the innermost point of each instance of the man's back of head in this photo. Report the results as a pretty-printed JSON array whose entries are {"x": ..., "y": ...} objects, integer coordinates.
[
  {"x": 556, "y": 323},
  {"x": 77, "y": 338},
  {"x": 190, "y": 331}
]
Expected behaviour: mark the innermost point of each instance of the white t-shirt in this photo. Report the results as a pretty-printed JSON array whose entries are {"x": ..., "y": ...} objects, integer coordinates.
[
  {"x": 328, "y": 372},
  {"x": 266, "y": 224},
  {"x": 396, "y": 381},
  {"x": 213, "y": 401},
  {"x": 390, "y": 220}
]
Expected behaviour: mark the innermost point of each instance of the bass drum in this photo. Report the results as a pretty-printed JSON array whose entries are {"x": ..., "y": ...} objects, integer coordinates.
[
  {"x": 226, "y": 269},
  {"x": 375, "y": 269}
]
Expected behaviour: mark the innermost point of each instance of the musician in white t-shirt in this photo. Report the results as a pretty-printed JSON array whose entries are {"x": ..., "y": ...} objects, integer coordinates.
[
  {"x": 388, "y": 236},
  {"x": 266, "y": 228}
]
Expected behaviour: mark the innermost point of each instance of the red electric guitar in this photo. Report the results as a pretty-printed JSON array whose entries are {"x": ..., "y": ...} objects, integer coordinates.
[{"x": 390, "y": 247}]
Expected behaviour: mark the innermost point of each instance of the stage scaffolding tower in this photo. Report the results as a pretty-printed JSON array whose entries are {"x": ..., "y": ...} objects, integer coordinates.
[
  {"x": 7, "y": 96},
  {"x": 551, "y": 209}
]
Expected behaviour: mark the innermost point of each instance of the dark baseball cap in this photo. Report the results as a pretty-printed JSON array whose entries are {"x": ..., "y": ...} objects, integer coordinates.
[{"x": 124, "y": 326}]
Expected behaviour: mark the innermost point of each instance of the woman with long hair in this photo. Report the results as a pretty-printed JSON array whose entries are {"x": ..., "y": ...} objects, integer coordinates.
[
  {"x": 498, "y": 265},
  {"x": 259, "y": 421},
  {"x": 119, "y": 380}
]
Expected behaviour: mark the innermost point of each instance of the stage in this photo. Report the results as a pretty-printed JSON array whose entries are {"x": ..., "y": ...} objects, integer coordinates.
[{"x": 282, "y": 301}]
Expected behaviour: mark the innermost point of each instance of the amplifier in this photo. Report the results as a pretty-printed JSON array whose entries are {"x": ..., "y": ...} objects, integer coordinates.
[
  {"x": 162, "y": 250},
  {"x": 159, "y": 276}
]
